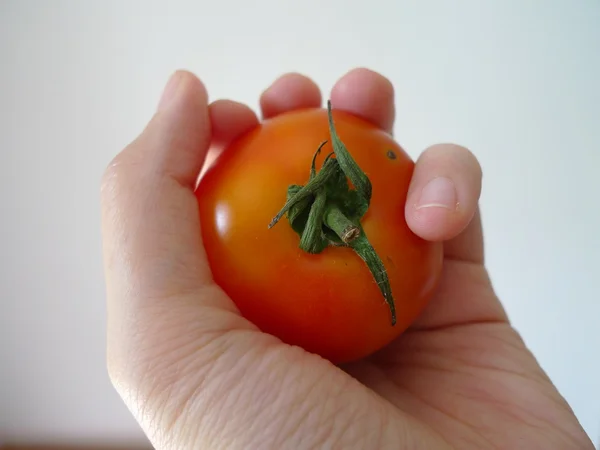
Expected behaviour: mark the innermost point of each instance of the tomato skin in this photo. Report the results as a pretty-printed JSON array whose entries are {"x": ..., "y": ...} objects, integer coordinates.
[{"x": 326, "y": 303}]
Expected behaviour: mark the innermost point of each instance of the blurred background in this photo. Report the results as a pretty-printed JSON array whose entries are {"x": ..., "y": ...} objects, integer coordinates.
[{"x": 518, "y": 82}]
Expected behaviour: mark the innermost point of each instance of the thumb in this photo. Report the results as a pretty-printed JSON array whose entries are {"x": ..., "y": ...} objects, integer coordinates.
[{"x": 161, "y": 301}]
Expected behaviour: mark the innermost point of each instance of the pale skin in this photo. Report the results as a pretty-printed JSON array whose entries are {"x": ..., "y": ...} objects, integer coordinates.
[{"x": 195, "y": 374}]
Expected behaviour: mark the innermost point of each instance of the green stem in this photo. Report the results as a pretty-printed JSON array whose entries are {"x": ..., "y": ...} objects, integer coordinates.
[
  {"x": 341, "y": 225},
  {"x": 313, "y": 170},
  {"x": 367, "y": 253},
  {"x": 296, "y": 210},
  {"x": 310, "y": 242},
  {"x": 311, "y": 188},
  {"x": 327, "y": 207},
  {"x": 358, "y": 178},
  {"x": 351, "y": 234}
]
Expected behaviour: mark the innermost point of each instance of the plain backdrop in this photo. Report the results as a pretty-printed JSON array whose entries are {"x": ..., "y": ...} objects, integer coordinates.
[{"x": 518, "y": 82}]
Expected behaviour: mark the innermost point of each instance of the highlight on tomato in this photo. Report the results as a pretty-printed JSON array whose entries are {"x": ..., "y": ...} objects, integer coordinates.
[{"x": 303, "y": 223}]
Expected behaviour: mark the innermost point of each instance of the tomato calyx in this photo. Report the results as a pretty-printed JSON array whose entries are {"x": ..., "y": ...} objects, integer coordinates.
[{"x": 327, "y": 212}]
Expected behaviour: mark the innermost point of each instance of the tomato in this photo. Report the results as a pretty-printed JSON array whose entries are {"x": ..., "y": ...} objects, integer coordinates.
[{"x": 327, "y": 302}]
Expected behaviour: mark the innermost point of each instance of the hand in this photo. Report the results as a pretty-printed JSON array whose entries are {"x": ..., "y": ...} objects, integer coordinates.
[{"x": 196, "y": 374}]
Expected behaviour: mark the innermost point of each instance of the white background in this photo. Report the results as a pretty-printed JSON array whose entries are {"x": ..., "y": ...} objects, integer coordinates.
[{"x": 516, "y": 81}]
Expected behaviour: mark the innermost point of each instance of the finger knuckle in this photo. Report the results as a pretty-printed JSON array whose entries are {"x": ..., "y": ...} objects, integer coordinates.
[
  {"x": 112, "y": 174},
  {"x": 118, "y": 173}
]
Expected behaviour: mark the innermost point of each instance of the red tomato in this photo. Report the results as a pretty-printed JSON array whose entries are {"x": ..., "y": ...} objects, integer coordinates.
[{"x": 327, "y": 303}]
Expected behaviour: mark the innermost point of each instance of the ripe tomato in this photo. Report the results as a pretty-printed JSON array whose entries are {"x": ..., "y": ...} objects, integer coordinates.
[{"x": 327, "y": 303}]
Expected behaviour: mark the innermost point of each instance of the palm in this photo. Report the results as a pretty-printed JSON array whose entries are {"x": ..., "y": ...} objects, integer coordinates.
[
  {"x": 473, "y": 394},
  {"x": 474, "y": 383},
  {"x": 443, "y": 384},
  {"x": 466, "y": 385}
]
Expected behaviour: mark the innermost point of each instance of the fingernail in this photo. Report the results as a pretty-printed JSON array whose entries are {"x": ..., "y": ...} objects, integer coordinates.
[
  {"x": 169, "y": 91},
  {"x": 440, "y": 192}
]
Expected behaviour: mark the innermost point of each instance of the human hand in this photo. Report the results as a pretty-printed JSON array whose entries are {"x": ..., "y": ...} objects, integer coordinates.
[{"x": 196, "y": 374}]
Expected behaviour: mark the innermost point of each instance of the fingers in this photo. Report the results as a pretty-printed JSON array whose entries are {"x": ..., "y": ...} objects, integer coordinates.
[
  {"x": 147, "y": 192},
  {"x": 361, "y": 91},
  {"x": 368, "y": 95},
  {"x": 176, "y": 140},
  {"x": 443, "y": 196},
  {"x": 289, "y": 92},
  {"x": 228, "y": 120},
  {"x": 157, "y": 277}
]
